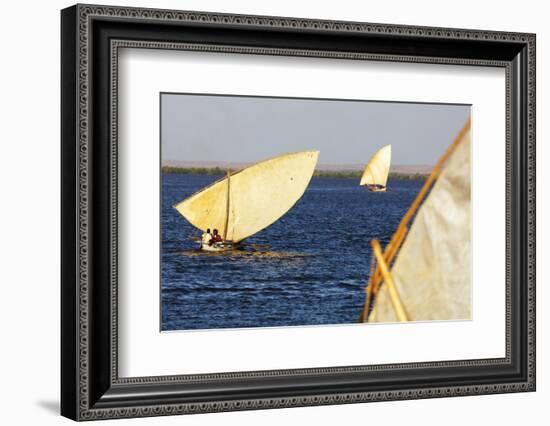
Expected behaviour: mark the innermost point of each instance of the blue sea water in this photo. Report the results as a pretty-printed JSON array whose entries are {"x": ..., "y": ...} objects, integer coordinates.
[{"x": 308, "y": 268}]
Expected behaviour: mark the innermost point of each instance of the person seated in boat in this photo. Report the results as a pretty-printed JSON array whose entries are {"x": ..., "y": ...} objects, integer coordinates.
[
  {"x": 216, "y": 237},
  {"x": 206, "y": 237}
]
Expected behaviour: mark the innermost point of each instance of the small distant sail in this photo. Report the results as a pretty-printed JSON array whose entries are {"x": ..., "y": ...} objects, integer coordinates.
[
  {"x": 430, "y": 277},
  {"x": 247, "y": 201},
  {"x": 377, "y": 170}
]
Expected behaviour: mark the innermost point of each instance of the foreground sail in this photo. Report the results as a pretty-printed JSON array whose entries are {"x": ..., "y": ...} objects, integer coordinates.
[
  {"x": 375, "y": 176},
  {"x": 430, "y": 277},
  {"x": 247, "y": 201}
]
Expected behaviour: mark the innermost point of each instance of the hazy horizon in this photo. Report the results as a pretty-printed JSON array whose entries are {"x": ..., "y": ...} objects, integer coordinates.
[{"x": 237, "y": 129}]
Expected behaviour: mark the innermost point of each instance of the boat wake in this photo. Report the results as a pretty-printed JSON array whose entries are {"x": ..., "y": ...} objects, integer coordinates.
[{"x": 250, "y": 251}]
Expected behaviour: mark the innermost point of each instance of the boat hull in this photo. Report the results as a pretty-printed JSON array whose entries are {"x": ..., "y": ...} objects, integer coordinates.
[
  {"x": 218, "y": 247},
  {"x": 375, "y": 188}
]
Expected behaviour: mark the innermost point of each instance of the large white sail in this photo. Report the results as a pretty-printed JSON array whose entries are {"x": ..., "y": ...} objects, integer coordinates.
[
  {"x": 378, "y": 168},
  {"x": 432, "y": 271},
  {"x": 249, "y": 200}
]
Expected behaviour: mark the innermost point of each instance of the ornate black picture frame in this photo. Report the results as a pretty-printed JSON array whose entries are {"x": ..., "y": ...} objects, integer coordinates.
[{"x": 91, "y": 36}]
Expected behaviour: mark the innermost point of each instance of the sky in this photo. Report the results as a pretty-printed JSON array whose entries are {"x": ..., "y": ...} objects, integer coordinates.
[{"x": 237, "y": 129}]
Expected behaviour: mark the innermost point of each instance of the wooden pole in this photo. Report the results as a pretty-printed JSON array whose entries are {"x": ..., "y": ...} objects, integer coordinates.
[
  {"x": 388, "y": 280},
  {"x": 428, "y": 184},
  {"x": 375, "y": 280},
  {"x": 389, "y": 253},
  {"x": 228, "y": 205}
]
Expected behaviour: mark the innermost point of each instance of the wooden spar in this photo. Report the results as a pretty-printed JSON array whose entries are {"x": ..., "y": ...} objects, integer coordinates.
[
  {"x": 424, "y": 190},
  {"x": 228, "y": 205},
  {"x": 388, "y": 280},
  {"x": 393, "y": 246},
  {"x": 391, "y": 250}
]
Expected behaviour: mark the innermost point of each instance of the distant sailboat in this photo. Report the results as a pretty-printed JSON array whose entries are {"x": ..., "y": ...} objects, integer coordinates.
[
  {"x": 424, "y": 272},
  {"x": 375, "y": 176},
  {"x": 249, "y": 200}
]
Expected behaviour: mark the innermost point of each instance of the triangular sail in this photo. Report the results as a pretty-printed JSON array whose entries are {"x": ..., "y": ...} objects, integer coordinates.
[
  {"x": 251, "y": 199},
  {"x": 378, "y": 168},
  {"x": 432, "y": 271}
]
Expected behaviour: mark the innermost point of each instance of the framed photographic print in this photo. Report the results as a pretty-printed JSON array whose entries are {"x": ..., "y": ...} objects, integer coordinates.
[{"x": 263, "y": 212}]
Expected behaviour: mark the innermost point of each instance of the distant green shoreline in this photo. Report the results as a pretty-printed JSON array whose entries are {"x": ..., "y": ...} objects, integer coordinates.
[{"x": 350, "y": 174}]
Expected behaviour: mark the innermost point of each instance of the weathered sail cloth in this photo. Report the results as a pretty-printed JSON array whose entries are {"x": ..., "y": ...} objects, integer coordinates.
[
  {"x": 258, "y": 196},
  {"x": 432, "y": 271},
  {"x": 378, "y": 168}
]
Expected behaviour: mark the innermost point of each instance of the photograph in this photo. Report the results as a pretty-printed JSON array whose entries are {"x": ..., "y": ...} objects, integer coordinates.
[{"x": 280, "y": 212}]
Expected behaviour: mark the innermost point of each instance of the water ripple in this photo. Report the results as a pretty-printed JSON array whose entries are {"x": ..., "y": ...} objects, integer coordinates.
[{"x": 310, "y": 267}]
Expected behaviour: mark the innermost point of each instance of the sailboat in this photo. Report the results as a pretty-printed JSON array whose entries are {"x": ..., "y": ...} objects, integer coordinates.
[
  {"x": 375, "y": 176},
  {"x": 424, "y": 273},
  {"x": 249, "y": 200}
]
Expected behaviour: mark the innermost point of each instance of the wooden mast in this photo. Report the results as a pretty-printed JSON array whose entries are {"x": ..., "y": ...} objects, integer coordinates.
[{"x": 228, "y": 205}]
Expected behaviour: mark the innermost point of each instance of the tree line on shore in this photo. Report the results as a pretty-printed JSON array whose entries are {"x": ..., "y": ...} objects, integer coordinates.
[{"x": 351, "y": 174}]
